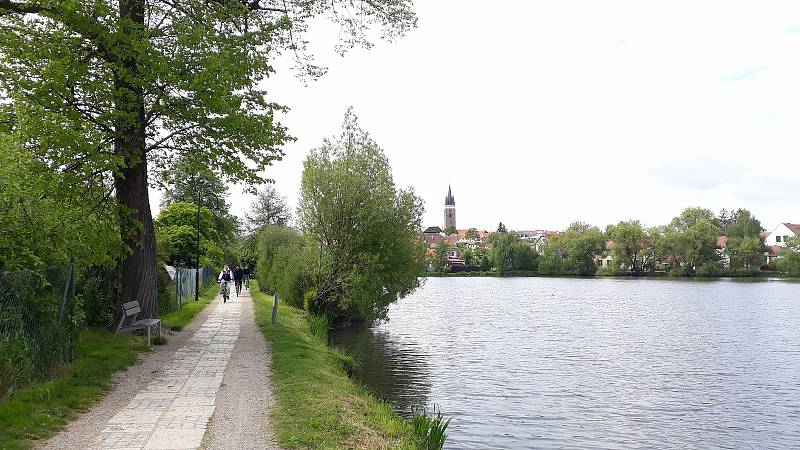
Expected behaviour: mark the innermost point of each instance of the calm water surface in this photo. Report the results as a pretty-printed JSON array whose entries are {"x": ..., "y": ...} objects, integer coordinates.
[{"x": 593, "y": 363}]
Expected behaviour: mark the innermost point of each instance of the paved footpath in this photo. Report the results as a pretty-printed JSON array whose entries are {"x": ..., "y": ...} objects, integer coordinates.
[{"x": 185, "y": 396}]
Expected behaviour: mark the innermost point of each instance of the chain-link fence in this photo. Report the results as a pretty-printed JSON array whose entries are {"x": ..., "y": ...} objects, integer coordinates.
[
  {"x": 37, "y": 324},
  {"x": 183, "y": 280}
]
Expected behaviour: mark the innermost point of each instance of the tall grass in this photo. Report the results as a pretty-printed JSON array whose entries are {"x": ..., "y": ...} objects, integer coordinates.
[
  {"x": 431, "y": 431},
  {"x": 319, "y": 326}
]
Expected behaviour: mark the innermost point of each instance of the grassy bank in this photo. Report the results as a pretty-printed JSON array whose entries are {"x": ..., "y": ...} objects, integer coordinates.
[
  {"x": 318, "y": 406},
  {"x": 178, "y": 319},
  {"x": 39, "y": 410}
]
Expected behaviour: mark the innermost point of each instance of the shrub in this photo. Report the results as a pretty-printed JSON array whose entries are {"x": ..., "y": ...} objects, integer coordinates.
[
  {"x": 677, "y": 272},
  {"x": 740, "y": 272},
  {"x": 99, "y": 289},
  {"x": 608, "y": 272},
  {"x": 709, "y": 269},
  {"x": 16, "y": 366},
  {"x": 167, "y": 300}
]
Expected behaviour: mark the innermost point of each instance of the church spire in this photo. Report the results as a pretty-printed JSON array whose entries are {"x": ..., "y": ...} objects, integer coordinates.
[
  {"x": 449, "y": 210},
  {"x": 449, "y": 200}
]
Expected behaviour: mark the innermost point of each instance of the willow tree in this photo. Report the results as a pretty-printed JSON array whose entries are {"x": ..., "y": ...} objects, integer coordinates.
[
  {"x": 365, "y": 227},
  {"x": 120, "y": 88}
]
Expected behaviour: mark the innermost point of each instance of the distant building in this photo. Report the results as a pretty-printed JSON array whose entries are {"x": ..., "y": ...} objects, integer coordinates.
[
  {"x": 432, "y": 230},
  {"x": 536, "y": 238},
  {"x": 722, "y": 251},
  {"x": 777, "y": 238},
  {"x": 449, "y": 210},
  {"x": 781, "y": 234}
]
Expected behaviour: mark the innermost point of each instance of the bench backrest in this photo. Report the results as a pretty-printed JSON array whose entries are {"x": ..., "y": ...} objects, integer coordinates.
[{"x": 129, "y": 309}]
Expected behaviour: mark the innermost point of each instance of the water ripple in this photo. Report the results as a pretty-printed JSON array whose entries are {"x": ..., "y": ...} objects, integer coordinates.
[{"x": 593, "y": 363}]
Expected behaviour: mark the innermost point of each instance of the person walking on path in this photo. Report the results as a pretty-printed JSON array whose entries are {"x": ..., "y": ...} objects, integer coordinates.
[
  {"x": 225, "y": 277},
  {"x": 238, "y": 276}
]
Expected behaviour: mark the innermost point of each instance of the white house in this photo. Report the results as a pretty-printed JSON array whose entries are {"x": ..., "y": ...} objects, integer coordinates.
[
  {"x": 781, "y": 234},
  {"x": 777, "y": 238}
]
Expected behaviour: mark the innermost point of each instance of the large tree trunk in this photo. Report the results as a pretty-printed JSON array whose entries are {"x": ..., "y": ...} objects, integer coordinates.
[
  {"x": 139, "y": 267},
  {"x": 136, "y": 220}
]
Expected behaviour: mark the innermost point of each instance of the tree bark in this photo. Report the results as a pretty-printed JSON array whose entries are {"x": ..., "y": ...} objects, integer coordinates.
[{"x": 130, "y": 181}]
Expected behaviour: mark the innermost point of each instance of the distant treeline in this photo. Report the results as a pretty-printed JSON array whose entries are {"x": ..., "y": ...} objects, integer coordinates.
[{"x": 689, "y": 245}]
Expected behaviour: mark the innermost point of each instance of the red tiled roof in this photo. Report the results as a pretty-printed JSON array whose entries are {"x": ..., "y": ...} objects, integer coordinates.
[
  {"x": 462, "y": 233},
  {"x": 794, "y": 227}
]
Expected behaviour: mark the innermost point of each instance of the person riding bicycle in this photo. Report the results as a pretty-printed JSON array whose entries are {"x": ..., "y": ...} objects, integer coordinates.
[
  {"x": 225, "y": 276},
  {"x": 237, "y": 279},
  {"x": 246, "y": 276}
]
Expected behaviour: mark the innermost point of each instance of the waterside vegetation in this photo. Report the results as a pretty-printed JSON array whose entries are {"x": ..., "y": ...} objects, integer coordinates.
[{"x": 318, "y": 406}]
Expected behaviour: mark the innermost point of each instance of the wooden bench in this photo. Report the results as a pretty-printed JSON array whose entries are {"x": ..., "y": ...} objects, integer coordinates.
[{"x": 132, "y": 309}]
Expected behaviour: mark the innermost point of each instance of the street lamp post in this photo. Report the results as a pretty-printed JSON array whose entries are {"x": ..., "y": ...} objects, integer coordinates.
[{"x": 197, "y": 266}]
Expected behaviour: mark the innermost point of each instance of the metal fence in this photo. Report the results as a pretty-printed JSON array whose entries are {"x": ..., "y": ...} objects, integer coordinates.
[
  {"x": 184, "y": 281},
  {"x": 37, "y": 324}
]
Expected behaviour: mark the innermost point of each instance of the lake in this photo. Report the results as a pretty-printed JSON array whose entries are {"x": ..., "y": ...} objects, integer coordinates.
[{"x": 593, "y": 363}]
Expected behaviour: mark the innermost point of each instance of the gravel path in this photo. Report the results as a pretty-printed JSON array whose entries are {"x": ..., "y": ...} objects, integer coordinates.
[
  {"x": 209, "y": 384},
  {"x": 245, "y": 397}
]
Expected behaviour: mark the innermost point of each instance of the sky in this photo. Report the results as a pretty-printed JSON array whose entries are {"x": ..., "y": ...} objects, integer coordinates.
[{"x": 539, "y": 113}]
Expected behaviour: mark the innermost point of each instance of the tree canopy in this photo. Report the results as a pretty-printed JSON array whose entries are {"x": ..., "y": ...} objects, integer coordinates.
[
  {"x": 116, "y": 89},
  {"x": 269, "y": 208},
  {"x": 49, "y": 218}
]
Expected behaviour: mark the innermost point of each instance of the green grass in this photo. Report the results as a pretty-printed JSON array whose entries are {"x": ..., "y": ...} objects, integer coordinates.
[
  {"x": 178, "y": 319},
  {"x": 41, "y": 409},
  {"x": 318, "y": 406}
]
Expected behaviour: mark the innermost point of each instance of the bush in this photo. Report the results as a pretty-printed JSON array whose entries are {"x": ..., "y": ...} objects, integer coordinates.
[
  {"x": 98, "y": 290},
  {"x": 677, "y": 272},
  {"x": 740, "y": 272},
  {"x": 167, "y": 301},
  {"x": 608, "y": 272},
  {"x": 16, "y": 366},
  {"x": 709, "y": 269}
]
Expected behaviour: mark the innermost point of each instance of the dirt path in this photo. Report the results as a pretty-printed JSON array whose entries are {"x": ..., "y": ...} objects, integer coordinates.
[{"x": 209, "y": 385}]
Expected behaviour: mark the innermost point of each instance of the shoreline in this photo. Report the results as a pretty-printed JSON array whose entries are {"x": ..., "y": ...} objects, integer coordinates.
[
  {"x": 658, "y": 275},
  {"x": 317, "y": 405}
]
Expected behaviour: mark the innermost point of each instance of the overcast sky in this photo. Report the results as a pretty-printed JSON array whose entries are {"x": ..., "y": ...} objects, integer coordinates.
[{"x": 539, "y": 113}]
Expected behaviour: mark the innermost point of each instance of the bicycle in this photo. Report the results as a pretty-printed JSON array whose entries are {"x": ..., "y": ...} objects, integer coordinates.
[
  {"x": 247, "y": 282},
  {"x": 224, "y": 290},
  {"x": 238, "y": 284}
]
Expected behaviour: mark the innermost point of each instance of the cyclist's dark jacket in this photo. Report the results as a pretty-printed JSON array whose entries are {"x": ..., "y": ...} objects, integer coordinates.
[
  {"x": 226, "y": 276},
  {"x": 237, "y": 274}
]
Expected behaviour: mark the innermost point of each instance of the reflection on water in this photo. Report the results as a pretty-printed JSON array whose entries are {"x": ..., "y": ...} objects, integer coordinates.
[
  {"x": 593, "y": 363},
  {"x": 393, "y": 368}
]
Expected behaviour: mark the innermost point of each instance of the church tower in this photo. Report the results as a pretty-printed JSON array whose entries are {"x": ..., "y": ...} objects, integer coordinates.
[{"x": 449, "y": 210}]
